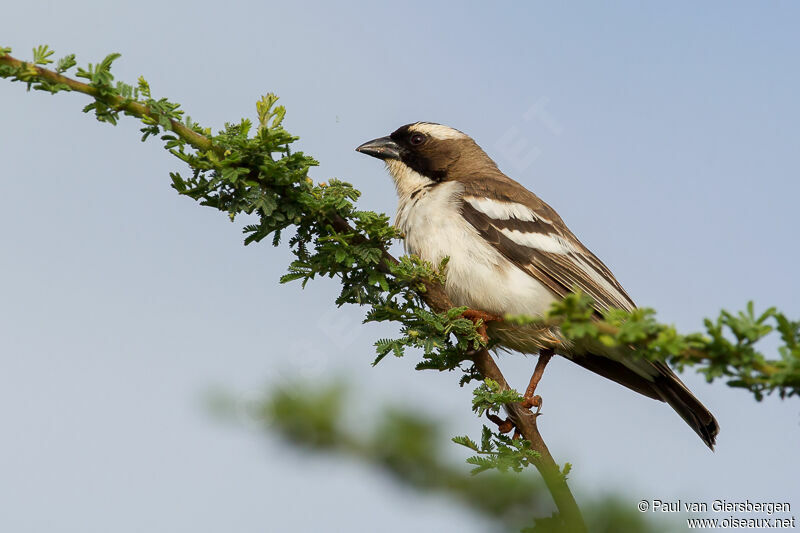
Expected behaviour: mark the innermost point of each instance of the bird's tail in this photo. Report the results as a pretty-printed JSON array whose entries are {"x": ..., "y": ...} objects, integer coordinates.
[
  {"x": 654, "y": 380},
  {"x": 672, "y": 390}
]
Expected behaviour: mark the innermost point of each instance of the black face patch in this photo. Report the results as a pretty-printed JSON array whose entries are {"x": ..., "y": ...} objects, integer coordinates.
[{"x": 424, "y": 154}]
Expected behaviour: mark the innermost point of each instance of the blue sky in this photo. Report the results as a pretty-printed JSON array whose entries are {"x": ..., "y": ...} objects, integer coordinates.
[{"x": 666, "y": 135}]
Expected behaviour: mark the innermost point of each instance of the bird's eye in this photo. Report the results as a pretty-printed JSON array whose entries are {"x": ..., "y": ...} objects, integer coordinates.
[{"x": 416, "y": 139}]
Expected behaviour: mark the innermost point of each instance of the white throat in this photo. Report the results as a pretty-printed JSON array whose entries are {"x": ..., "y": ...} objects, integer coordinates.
[{"x": 406, "y": 179}]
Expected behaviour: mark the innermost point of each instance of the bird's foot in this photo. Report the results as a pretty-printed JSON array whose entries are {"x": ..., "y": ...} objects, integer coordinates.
[
  {"x": 480, "y": 319},
  {"x": 503, "y": 426},
  {"x": 532, "y": 401}
]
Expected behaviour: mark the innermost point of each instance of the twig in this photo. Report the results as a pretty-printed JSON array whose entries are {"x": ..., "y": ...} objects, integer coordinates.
[
  {"x": 525, "y": 422},
  {"x": 131, "y": 107}
]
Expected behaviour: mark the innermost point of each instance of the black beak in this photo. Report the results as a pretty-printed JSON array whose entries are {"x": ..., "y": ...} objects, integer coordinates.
[{"x": 383, "y": 148}]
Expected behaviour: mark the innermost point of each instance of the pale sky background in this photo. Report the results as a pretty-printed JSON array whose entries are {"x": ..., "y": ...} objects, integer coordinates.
[{"x": 666, "y": 136}]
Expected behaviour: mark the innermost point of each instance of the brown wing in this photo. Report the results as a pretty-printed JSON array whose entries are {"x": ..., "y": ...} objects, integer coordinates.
[{"x": 529, "y": 233}]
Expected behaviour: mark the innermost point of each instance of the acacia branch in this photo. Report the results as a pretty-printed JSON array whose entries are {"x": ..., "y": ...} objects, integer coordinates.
[
  {"x": 434, "y": 297},
  {"x": 525, "y": 421},
  {"x": 126, "y": 105},
  {"x": 434, "y": 294}
]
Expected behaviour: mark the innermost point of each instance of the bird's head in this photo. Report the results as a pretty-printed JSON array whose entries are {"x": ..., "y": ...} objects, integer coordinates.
[{"x": 424, "y": 153}]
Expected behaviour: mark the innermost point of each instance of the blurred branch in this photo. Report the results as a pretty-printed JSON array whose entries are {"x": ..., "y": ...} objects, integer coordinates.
[
  {"x": 403, "y": 444},
  {"x": 407, "y": 447}
]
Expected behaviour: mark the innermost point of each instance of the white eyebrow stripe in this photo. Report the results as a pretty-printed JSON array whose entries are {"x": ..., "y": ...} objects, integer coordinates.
[
  {"x": 438, "y": 131},
  {"x": 546, "y": 242},
  {"x": 504, "y": 210}
]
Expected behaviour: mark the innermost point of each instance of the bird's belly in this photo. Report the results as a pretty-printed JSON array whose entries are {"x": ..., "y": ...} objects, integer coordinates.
[
  {"x": 475, "y": 279},
  {"x": 478, "y": 276}
]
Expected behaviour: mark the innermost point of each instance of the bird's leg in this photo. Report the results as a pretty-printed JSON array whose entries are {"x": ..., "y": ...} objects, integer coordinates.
[
  {"x": 484, "y": 317},
  {"x": 529, "y": 399}
]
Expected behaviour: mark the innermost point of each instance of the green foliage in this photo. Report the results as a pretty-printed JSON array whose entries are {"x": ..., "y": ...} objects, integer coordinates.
[
  {"x": 489, "y": 396},
  {"x": 41, "y": 55},
  {"x": 726, "y": 349},
  {"x": 65, "y": 63},
  {"x": 444, "y": 338},
  {"x": 498, "y": 451},
  {"x": 100, "y": 78}
]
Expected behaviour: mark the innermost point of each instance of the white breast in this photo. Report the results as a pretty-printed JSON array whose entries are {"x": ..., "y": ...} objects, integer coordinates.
[{"x": 477, "y": 275}]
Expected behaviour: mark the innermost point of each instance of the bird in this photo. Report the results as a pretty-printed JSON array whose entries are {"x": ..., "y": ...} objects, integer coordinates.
[{"x": 510, "y": 253}]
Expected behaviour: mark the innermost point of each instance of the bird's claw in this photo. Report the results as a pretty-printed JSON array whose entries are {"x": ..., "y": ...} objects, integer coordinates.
[
  {"x": 480, "y": 319},
  {"x": 533, "y": 401},
  {"x": 503, "y": 426}
]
